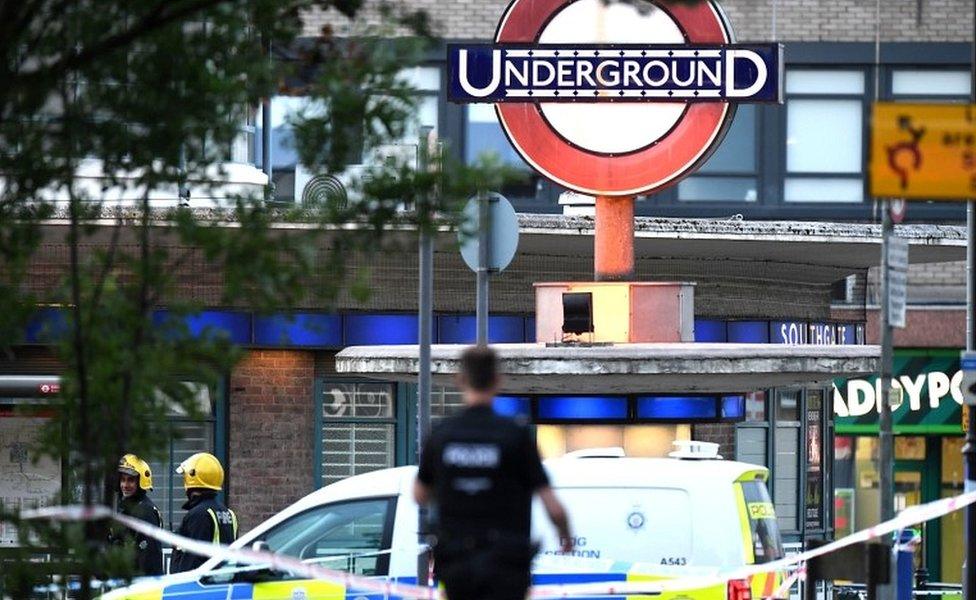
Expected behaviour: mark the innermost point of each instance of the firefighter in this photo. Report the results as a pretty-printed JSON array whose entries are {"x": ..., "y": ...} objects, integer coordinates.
[
  {"x": 135, "y": 479},
  {"x": 206, "y": 519}
]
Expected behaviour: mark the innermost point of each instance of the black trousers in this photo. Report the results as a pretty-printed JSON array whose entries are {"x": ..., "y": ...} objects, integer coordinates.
[{"x": 484, "y": 571}]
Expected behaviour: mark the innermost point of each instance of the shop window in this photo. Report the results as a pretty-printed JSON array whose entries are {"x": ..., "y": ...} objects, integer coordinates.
[
  {"x": 358, "y": 428},
  {"x": 636, "y": 440},
  {"x": 824, "y": 136},
  {"x": 952, "y": 524},
  {"x": 189, "y": 437},
  {"x": 730, "y": 173},
  {"x": 814, "y": 480},
  {"x": 444, "y": 402}
]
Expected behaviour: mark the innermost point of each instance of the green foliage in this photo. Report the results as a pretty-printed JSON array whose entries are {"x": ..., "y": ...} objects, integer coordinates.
[{"x": 147, "y": 96}]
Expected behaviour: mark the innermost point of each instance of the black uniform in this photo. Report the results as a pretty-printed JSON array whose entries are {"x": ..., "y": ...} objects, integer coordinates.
[
  {"x": 207, "y": 520},
  {"x": 149, "y": 552},
  {"x": 483, "y": 470}
]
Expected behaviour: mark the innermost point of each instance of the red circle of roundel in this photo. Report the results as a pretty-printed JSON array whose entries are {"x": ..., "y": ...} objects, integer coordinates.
[{"x": 651, "y": 168}]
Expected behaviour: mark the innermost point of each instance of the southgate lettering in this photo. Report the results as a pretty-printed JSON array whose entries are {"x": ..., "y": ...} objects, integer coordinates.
[{"x": 614, "y": 73}]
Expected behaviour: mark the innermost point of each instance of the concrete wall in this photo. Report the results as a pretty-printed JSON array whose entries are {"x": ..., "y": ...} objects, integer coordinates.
[
  {"x": 270, "y": 438},
  {"x": 754, "y": 20}
]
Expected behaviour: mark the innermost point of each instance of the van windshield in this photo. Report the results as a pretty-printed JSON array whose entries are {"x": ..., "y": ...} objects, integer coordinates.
[{"x": 766, "y": 542}]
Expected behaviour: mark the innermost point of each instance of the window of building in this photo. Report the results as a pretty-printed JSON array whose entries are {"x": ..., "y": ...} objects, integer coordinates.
[
  {"x": 189, "y": 436},
  {"x": 930, "y": 83},
  {"x": 730, "y": 173},
  {"x": 483, "y": 135},
  {"x": 290, "y": 176},
  {"x": 358, "y": 428},
  {"x": 824, "y": 136}
]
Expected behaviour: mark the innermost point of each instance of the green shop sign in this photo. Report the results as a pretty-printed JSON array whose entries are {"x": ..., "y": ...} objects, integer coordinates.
[{"x": 931, "y": 400}]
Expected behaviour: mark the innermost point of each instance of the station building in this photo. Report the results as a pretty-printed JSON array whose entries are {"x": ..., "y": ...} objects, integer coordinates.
[{"x": 777, "y": 231}]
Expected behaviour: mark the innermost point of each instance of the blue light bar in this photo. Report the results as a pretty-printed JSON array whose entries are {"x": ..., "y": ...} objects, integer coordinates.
[
  {"x": 748, "y": 332},
  {"x": 46, "y": 325},
  {"x": 306, "y": 330},
  {"x": 733, "y": 407},
  {"x": 582, "y": 408},
  {"x": 512, "y": 406},
  {"x": 461, "y": 329},
  {"x": 676, "y": 408},
  {"x": 373, "y": 329},
  {"x": 710, "y": 330},
  {"x": 234, "y": 326}
]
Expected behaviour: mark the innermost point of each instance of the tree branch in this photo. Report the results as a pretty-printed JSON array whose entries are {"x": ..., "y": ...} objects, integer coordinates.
[{"x": 156, "y": 19}]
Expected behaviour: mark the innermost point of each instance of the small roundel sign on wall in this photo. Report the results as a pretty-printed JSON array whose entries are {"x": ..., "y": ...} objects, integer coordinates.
[{"x": 614, "y": 97}]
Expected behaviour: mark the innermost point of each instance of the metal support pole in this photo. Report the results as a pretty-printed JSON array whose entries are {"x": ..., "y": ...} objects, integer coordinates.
[
  {"x": 266, "y": 162},
  {"x": 969, "y": 449},
  {"x": 266, "y": 138},
  {"x": 484, "y": 260},
  {"x": 886, "y": 465},
  {"x": 425, "y": 304}
]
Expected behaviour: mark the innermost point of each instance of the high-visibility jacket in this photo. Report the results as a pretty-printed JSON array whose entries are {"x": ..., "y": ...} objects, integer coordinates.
[{"x": 206, "y": 520}]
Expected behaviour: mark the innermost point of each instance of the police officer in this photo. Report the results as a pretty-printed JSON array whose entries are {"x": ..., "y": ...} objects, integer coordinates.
[
  {"x": 480, "y": 470},
  {"x": 135, "y": 479},
  {"x": 206, "y": 518}
]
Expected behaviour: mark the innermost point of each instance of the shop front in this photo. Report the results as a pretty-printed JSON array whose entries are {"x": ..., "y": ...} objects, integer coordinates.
[{"x": 928, "y": 458}]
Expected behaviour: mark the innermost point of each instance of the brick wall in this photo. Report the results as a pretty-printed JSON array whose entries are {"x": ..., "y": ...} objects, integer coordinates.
[
  {"x": 270, "y": 436},
  {"x": 722, "y": 434},
  {"x": 753, "y": 20},
  {"x": 933, "y": 283}
]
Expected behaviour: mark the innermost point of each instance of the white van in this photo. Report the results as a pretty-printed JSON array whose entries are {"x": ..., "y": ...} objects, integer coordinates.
[{"x": 634, "y": 519}]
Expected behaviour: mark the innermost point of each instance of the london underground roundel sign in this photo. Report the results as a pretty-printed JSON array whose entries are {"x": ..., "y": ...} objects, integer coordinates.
[{"x": 614, "y": 98}]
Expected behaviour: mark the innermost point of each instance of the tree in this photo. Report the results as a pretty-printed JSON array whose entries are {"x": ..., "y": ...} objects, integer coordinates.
[{"x": 148, "y": 95}]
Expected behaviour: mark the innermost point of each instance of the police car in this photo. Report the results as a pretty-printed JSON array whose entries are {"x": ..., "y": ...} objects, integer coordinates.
[{"x": 634, "y": 520}]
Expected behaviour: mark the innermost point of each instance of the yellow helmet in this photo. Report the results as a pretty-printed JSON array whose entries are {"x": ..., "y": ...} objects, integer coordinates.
[
  {"x": 130, "y": 464},
  {"x": 202, "y": 470}
]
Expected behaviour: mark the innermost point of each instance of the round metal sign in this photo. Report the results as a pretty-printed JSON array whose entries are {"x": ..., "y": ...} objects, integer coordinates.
[
  {"x": 502, "y": 237},
  {"x": 615, "y": 148}
]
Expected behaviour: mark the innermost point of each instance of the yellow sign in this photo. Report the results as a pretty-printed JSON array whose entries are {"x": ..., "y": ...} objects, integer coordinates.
[
  {"x": 923, "y": 151},
  {"x": 965, "y": 418},
  {"x": 761, "y": 510}
]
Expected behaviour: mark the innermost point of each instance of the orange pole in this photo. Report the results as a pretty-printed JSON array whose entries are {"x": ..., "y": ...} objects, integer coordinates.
[{"x": 613, "y": 246}]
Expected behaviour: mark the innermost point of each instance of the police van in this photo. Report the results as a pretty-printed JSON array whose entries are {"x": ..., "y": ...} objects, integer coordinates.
[{"x": 692, "y": 515}]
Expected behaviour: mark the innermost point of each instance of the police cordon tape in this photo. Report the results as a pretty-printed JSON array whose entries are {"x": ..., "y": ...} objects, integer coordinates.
[{"x": 906, "y": 518}]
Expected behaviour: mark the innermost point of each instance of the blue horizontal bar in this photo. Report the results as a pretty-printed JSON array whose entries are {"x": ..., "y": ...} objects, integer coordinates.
[
  {"x": 306, "y": 330},
  {"x": 582, "y": 408},
  {"x": 462, "y": 329}
]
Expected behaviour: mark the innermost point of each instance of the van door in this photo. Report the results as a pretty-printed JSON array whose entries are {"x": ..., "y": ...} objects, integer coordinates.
[{"x": 654, "y": 524}]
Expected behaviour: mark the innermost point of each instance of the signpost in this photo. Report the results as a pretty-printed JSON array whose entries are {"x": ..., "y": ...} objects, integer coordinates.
[
  {"x": 612, "y": 99},
  {"x": 897, "y": 280},
  {"x": 492, "y": 249},
  {"x": 967, "y": 362}
]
